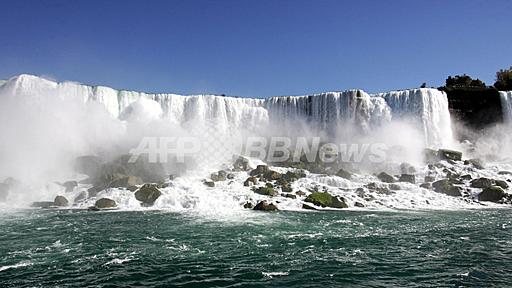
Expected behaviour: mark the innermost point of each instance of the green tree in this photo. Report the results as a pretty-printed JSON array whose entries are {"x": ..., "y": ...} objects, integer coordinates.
[
  {"x": 459, "y": 81},
  {"x": 504, "y": 79}
]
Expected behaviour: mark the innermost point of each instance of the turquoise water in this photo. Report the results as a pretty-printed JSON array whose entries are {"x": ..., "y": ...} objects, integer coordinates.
[{"x": 65, "y": 248}]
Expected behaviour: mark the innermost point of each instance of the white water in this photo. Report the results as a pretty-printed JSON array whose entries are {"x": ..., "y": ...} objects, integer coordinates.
[
  {"x": 506, "y": 106},
  {"x": 326, "y": 113}
]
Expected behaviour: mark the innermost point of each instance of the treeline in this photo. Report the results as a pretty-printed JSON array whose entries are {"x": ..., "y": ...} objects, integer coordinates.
[{"x": 503, "y": 81}]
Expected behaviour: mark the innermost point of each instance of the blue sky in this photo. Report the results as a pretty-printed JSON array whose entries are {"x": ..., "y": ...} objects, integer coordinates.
[{"x": 255, "y": 48}]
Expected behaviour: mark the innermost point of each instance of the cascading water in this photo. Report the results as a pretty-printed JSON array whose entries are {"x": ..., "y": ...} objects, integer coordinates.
[{"x": 506, "y": 106}]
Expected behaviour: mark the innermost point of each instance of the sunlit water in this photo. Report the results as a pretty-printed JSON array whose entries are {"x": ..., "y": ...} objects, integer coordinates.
[{"x": 65, "y": 248}]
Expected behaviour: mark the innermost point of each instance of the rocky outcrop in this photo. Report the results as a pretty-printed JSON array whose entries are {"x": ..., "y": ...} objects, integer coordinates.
[
  {"x": 385, "y": 177},
  {"x": 492, "y": 194},
  {"x": 148, "y": 194},
  {"x": 61, "y": 201},
  {"x": 324, "y": 199},
  {"x": 105, "y": 203},
  {"x": 445, "y": 186},
  {"x": 264, "y": 206},
  {"x": 267, "y": 191}
]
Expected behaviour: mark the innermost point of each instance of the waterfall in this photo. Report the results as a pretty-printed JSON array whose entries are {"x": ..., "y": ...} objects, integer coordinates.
[
  {"x": 325, "y": 111},
  {"x": 506, "y": 106}
]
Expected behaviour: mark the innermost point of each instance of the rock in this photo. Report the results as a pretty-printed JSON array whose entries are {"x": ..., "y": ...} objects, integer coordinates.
[
  {"x": 230, "y": 176},
  {"x": 359, "y": 204},
  {"x": 466, "y": 177},
  {"x": 80, "y": 197},
  {"x": 104, "y": 203},
  {"x": 264, "y": 206},
  {"x": 93, "y": 208},
  {"x": 219, "y": 176},
  {"x": 394, "y": 187},
  {"x": 426, "y": 185},
  {"x": 477, "y": 163},
  {"x": 271, "y": 175},
  {"x": 293, "y": 176},
  {"x": 148, "y": 194},
  {"x": 287, "y": 188},
  {"x": 378, "y": 188},
  {"x": 248, "y": 205},
  {"x": 260, "y": 169},
  {"x": 241, "y": 164},
  {"x": 385, "y": 177},
  {"x": 134, "y": 188},
  {"x": 43, "y": 204},
  {"x": 300, "y": 193},
  {"x": 344, "y": 174},
  {"x": 93, "y": 191},
  {"x": 446, "y": 187},
  {"x": 267, "y": 191},
  {"x": 407, "y": 168},
  {"x": 70, "y": 185},
  {"x": 429, "y": 178},
  {"x": 408, "y": 178},
  {"x": 482, "y": 183},
  {"x": 505, "y": 173},
  {"x": 210, "y": 184},
  {"x": 445, "y": 154},
  {"x": 269, "y": 185},
  {"x": 125, "y": 181},
  {"x": 501, "y": 183},
  {"x": 492, "y": 194},
  {"x": 288, "y": 195},
  {"x": 4, "y": 191},
  {"x": 250, "y": 181},
  {"x": 325, "y": 199},
  {"x": 61, "y": 201},
  {"x": 308, "y": 207}
]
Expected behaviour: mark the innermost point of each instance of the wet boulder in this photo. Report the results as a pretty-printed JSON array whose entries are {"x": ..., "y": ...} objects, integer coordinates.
[
  {"x": 492, "y": 194},
  {"x": 385, "y": 177},
  {"x": 61, "y": 201},
  {"x": 267, "y": 191},
  {"x": 445, "y": 186},
  {"x": 408, "y": 178},
  {"x": 324, "y": 199},
  {"x": 219, "y": 176},
  {"x": 241, "y": 164},
  {"x": 477, "y": 163},
  {"x": 359, "y": 204},
  {"x": 482, "y": 182},
  {"x": 271, "y": 175},
  {"x": 293, "y": 176},
  {"x": 308, "y": 207},
  {"x": 210, "y": 184},
  {"x": 105, "y": 203},
  {"x": 148, "y": 194},
  {"x": 286, "y": 188},
  {"x": 248, "y": 205},
  {"x": 501, "y": 183},
  {"x": 300, "y": 193},
  {"x": 250, "y": 181},
  {"x": 259, "y": 170},
  {"x": 264, "y": 206},
  {"x": 289, "y": 195}
]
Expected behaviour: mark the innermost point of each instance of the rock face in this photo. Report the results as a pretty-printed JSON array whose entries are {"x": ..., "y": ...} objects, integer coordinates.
[
  {"x": 104, "y": 203},
  {"x": 267, "y": 191},
  {"x": 385, "y": 177},
  {"x": 148, "y": 194},
  {"x": 482, "y": 183},
  {"x": 61, "y": 201},
  {"x": 325, "y": 199},
  {"x": 264, "y": 206},
  {"x": 476, "y": 107},
  {"x": 492, "y": 194},
  {"x": 408, "y": 178},
  {"x": 446, "y": 187}
]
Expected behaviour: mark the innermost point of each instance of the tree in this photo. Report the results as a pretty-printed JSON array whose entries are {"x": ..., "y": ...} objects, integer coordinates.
[
  {"x": 504, "y": 79},
  {"x": 464, "y": 81}
]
